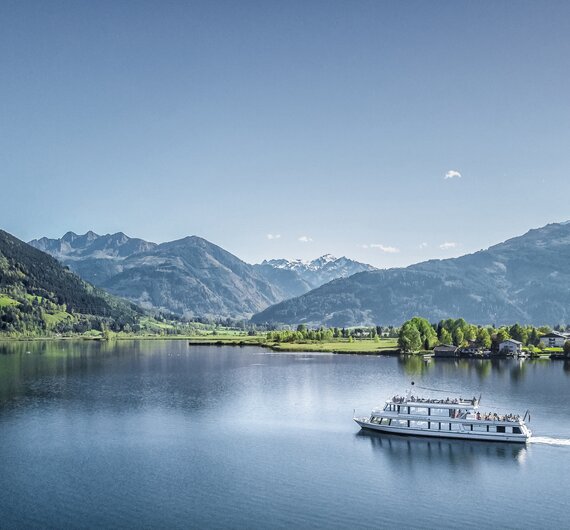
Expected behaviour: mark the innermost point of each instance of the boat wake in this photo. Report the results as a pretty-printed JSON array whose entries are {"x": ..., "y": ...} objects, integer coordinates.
[{"x": 546, "y": 440}]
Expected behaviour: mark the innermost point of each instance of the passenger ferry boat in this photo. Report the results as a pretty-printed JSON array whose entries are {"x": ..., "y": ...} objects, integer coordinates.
[{"x": 445, "y": 418}]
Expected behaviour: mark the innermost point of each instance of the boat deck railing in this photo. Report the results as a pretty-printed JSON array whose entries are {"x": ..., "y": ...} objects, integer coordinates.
[
  {"x": 491, "y": 416},
  {"x": 457, "y": 416},
  {"x": 447, "y": 401}
]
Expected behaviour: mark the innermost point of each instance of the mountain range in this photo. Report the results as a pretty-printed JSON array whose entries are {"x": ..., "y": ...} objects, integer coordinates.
[
  {"x": 191, "y": 276},
  {"x": 525, "y": 279}
]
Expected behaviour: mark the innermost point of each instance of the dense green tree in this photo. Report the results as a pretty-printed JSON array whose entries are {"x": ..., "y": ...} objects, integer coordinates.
[
  {"x": 470, "y": 333},
  {"x": 519, "y": 333},
  {"x": 428, "y": 336},
  {"x": 409, "y": 339},
  {"x": 445, "y": 337},
  {"x": 458, "y": 336},
  {"x": 483, "y": 339}
]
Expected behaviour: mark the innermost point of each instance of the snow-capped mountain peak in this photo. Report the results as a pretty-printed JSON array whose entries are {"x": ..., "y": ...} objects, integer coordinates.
[{"x": 320, "y": 270}]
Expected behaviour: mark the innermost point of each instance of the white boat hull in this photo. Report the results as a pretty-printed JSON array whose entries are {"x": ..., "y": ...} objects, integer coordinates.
[{"x": 462, "y": 435}]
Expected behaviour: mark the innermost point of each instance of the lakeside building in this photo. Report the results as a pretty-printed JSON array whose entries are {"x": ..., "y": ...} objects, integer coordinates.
[
  {"x": 554, "y": 339},
  {"x": 510, "y": 346},
  {"x": 445, "y": 350}
]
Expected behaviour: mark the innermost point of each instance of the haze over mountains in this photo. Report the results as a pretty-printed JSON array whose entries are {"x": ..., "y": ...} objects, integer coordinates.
[
  {"x": 191, "y": 276},
  {"x": 525, "y": 279}
]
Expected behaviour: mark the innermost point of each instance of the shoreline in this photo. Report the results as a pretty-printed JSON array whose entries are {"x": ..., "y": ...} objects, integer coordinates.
[
  {"x": 364, "y": 347},
  {"x": 358, "y": 347}
]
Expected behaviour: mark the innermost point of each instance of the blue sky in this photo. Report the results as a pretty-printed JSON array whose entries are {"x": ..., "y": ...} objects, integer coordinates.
[{"x": 287, "y": 129}]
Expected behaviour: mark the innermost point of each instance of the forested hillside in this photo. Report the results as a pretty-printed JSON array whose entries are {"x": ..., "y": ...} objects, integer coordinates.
[{"x": 38, "y": 295}]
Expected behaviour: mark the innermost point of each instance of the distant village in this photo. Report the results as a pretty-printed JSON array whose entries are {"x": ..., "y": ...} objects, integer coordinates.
[{"x": 507, "y": 348}]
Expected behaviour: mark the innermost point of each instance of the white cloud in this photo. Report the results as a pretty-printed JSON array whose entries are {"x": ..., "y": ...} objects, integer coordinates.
[
  {"x": 423, "y": 245},
  {"x": 364, "y": 246},
  {"x": 305, "y": 239},
  {"x": 447, "y": 245},
  {"x": 383, "y": 248},
  {"x": 451, "y": 174},
  {"x": 273, "y": 236}
]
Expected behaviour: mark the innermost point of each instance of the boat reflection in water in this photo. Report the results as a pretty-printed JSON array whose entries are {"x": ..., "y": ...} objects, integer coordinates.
[{"x": 404, "y": 450}]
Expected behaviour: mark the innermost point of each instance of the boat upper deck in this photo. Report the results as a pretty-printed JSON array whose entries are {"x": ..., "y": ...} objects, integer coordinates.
[{"x": 447, "y": 403}]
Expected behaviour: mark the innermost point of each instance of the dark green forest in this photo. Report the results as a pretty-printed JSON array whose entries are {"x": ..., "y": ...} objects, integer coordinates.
[{"x": 39, "y": 296}]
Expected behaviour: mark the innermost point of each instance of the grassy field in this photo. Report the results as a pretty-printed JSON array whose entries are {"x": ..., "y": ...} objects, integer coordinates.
[
  {"x": 335, "y": 346},
  {"x": 6, "y": 301},
  {"x": 52, "y": 319}
]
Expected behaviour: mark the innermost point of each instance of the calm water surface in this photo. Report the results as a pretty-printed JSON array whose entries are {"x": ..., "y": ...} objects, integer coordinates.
[{"x": 160, "y": 434}]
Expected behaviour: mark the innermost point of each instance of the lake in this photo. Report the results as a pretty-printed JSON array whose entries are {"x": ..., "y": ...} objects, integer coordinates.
[{"x": 147, "y": 434}]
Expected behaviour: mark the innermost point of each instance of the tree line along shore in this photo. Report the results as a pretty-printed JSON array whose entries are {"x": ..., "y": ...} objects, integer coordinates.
[{"x": 416, "y": 336}]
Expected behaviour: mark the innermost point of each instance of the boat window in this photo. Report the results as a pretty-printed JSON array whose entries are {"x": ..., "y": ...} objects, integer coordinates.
[
  {"x": 517, "y": 430},
  {"x": 500, "y": 428},
  {"x": 419, "y": 424}
]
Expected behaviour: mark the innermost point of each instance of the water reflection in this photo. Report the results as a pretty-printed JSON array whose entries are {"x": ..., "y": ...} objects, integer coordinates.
[
  {"x": 123, "y": 375},
  {"x": 515, "y": 369},
  {"x": 518, "y": 370},
  {"x": 29, "y": 367},
  {"x": 417, "y": 450},
  {"x": 415, "y": 364},
  {"x": 418, "y": 365}
]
